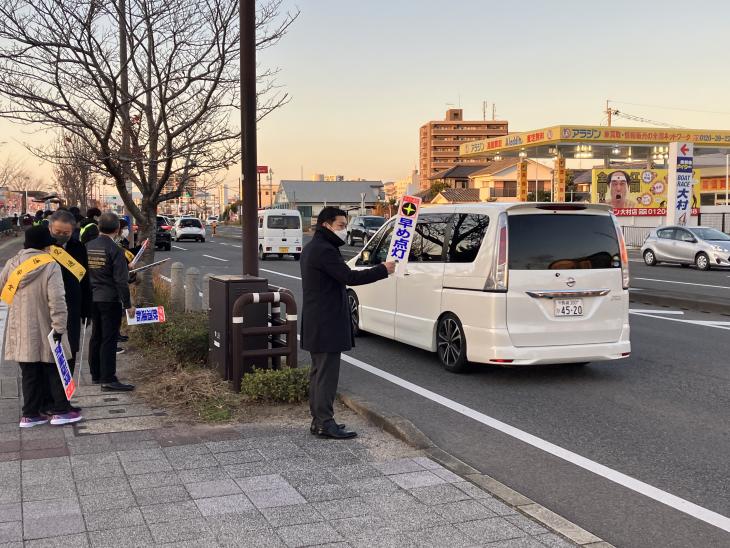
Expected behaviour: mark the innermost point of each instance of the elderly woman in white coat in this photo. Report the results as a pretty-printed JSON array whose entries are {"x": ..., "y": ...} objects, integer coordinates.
[{"x": 32, "y": 286}]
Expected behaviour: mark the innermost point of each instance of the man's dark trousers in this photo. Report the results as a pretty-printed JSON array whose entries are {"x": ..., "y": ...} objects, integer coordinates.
[
  {"x": 42, "y": 389},
  {"x": 106, "y": 319},
  {"x": 323, "y": 377}
]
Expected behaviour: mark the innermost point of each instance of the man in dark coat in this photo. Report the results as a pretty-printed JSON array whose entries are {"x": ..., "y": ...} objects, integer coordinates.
[
  {"x": 89, "y": 226},
  {"x": 78, "y": 292},
  {"x": 326, "y": 323}
]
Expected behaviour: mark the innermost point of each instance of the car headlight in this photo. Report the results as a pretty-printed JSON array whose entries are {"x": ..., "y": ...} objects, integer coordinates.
[{"x": 718, "y": 248}]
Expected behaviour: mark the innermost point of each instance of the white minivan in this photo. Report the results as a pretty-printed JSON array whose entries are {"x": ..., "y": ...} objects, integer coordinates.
[
  {"x": 501, "y": 283},
  {"x": 280, "y": 233}
]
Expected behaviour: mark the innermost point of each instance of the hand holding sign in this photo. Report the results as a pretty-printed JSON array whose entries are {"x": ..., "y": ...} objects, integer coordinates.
[{"x": 390, "y": 266}]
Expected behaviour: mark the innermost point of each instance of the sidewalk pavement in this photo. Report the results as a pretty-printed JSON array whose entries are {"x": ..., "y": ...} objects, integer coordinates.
[{"x": 129, "y": 477}]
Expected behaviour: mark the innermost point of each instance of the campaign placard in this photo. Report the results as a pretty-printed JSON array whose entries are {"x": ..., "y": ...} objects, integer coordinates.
[
  {"x": 148, "y": 314},
  {"x": 67, "y": 380},
  {"x": 403, "y": 232}
]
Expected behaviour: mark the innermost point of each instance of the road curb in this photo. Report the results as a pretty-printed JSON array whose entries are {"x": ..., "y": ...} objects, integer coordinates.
[
  {"x": 406, "y": 431},
  {"x": 650, "y": 298}
]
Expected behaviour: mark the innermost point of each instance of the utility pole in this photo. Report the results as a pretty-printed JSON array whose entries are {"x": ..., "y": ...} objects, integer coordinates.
[
  {"x": 608, "y": 112},
  {"x": 249, "y": 214},
  {"x": 124, "y": 155},
  {"x": 271, "y": 188}
]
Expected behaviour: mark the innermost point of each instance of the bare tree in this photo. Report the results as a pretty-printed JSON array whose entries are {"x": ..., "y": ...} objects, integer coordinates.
[
  {"x": 12, "y": 173},
  {"x": 74, "y": 172},
  {"x": 149, "y": 85}
]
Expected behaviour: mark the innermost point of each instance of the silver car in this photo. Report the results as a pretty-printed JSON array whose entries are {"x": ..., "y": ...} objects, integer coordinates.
[{"x": 701, "y": 246}]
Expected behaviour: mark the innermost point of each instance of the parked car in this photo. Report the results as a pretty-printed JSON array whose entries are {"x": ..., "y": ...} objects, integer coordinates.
[
  {"x": 499, "y": 283},
  {"x": 701, "y": 246},
  {"x": 280, "y": 233},
  {"x": 362, "y": 228},
  {"x": 163, "y": 239},
  {"x": 188, "y": 228}
]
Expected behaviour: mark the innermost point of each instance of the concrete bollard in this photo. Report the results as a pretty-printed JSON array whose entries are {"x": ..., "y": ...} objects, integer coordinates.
[
  {"x": 177, "y": 287},
  {"x": 206, "y": 292},
  {"x": 193, "y": 301}
]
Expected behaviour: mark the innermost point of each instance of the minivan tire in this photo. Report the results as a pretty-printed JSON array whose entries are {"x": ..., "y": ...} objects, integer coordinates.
[
  {"x": 167, "y": 247},
  {"x": 451, "y": 343},
  {"x": 297, "y": 256},
  {"x": 349, "y": 239},
  {"x": 702, "y": 261},
  {"x": 262, "y": 255},
  {"x": 353, "y": 303},
  {"x": 649, "y": 258}
]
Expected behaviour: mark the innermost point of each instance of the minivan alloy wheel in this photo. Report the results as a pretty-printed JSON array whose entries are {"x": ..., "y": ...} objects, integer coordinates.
[
  {"x": 354, "y": 306},
  {"x": 649, "y": 257},
  {"x": 702, "y": 261},
  {"x": 451, "y": 343}
]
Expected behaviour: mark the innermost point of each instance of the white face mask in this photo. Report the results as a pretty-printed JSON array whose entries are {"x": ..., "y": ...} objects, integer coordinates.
[
  {"x": 125, "y": 233},
  {"x": 341, "y": 234}
]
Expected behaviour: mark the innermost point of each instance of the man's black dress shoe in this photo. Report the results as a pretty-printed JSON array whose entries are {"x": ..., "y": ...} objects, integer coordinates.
[
  {"x": 331, "y": 430},
  {"x": 313, "y": 427},
  {"x": 117, "y": 387}
]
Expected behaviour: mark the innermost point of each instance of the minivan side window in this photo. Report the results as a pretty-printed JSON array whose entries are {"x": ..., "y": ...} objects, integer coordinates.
[
  {"x": 562, "y": 242},
  {"x": 468, "y": 233},
  {"x": 377, "y": 249},
  {"x": 429, "y": 239}
]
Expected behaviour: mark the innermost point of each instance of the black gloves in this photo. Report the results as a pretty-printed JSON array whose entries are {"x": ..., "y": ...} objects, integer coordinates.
[{"x": 57, "y": 337}]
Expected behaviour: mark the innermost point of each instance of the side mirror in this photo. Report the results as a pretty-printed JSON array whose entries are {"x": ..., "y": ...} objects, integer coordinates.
[{"x": 364, "y": 257}]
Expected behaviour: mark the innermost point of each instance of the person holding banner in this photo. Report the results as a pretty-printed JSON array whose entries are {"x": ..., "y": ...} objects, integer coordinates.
[
  {"x": 32, "y": 287},
  {"x": 74, "y": 263},
  {"x": 326, "y": 322},
  {"x": 109, "y": 277}
]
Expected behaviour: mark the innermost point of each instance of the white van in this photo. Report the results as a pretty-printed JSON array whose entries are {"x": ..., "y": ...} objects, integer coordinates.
[
  {"x": 500, "y": 283},
  {"x": 280, "y": 233}
]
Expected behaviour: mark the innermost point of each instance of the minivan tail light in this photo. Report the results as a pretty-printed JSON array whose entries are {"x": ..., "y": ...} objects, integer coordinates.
[
  {"x": 497, "y": 280},
  {"x": 625, "y": 279}
]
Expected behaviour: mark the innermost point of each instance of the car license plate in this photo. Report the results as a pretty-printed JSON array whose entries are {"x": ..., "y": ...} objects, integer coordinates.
[
  {"x": 283, "y": 250},
  {"x": 568, "y": 307}
]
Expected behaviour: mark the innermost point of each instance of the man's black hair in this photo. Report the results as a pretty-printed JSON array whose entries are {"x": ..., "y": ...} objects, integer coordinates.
[
  {"x": 109, "y": 223},
  {"x": 329, "y": 214},
  {"x": 63, "y": 216},
  {"x": 75, "y": 210},
  {"x": 93, "y": 212}
]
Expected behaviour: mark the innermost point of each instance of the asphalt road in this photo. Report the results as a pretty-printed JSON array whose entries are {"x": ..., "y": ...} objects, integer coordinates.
[
  {"x": 682, "y": 283},
  {"x": 661, "y": 417}
]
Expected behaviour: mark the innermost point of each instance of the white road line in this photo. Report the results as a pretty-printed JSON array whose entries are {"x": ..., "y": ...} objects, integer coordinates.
[
  {"x": 216, "y": 258},
  {"x": 641, "y": 311},
  {"x": 681, "y": 283},
  {"x": 694, "y": 510},
  {"x": 280, "y": 274},
  {"x": 703, "y": 323},
  {"x": 673, "y": 501},
  {"x": 180, "y": 248},
  {"x": 235, "y": 245}
]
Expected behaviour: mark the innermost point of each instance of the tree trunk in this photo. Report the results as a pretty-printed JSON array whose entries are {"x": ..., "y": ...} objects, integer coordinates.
[{"x": 147, "y": 230}]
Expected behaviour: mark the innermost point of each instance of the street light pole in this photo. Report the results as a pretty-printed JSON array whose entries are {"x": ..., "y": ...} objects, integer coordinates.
[{"x": 249, "y": 236}]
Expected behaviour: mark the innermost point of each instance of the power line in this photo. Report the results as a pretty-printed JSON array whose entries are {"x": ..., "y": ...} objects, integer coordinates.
[
  {"x": 622, "y": 114},
  {"x": 669, "y": 108}
]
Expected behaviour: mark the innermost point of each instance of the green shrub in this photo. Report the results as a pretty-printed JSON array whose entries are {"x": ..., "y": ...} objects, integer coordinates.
[
  {"x": 283, "y": 385},
  {"x": 184, "y": 337}
]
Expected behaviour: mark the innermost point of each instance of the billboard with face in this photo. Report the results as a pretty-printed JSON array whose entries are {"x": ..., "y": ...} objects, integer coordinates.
[{"x": 636, "y": 192}]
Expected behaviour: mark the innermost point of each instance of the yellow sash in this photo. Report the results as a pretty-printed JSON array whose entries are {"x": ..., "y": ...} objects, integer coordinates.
[
  {"x": 68, "y": 262},
  {"x": 17, "y": 275},
  {"x": 128, "y": 255}
]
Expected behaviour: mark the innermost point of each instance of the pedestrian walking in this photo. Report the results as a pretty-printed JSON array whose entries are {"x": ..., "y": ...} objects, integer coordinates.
[
  {"x": 326, "y": 321},
  {"x": 75, "y": 265},
  {"x": 109, "y": 277},
  {"x": 32, "y": 285}
]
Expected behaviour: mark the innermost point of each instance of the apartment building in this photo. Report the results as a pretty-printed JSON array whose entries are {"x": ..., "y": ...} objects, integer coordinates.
[{"x": 439, "y": 141}]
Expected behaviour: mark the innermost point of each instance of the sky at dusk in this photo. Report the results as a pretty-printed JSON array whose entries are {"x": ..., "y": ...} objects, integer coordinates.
[{"x": 363, "y": 76}]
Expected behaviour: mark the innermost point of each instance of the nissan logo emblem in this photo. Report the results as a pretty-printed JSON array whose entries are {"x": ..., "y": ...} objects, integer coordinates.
[{"x": 570, "y": 282}]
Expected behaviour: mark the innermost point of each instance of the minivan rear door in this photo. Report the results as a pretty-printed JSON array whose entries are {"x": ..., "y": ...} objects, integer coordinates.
[
  {"x": 565, "y": 282},
  {"x": 282, "y": 232}
]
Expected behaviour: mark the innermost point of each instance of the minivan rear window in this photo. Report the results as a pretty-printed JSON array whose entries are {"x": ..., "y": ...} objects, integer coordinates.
[
  {"x": 557, "y": 242},
  {"x": 283, "y": 221}
]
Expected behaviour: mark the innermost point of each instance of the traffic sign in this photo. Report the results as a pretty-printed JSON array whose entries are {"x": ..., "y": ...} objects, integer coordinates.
[{"x": 262, "y": 169}]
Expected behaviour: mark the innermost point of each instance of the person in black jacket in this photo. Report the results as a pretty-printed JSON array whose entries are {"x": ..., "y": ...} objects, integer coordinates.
[
  {"x": 109, "y": 276},
  {"x": 326, "y": 323},
  {"x": 78, "y": 292},
  {"x": 89, "y": 226}
]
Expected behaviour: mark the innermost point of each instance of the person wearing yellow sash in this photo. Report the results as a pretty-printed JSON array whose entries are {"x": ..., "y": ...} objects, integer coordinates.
[
  {"x": 71, "y": 255},
  {"x": 32, "y": 287}
]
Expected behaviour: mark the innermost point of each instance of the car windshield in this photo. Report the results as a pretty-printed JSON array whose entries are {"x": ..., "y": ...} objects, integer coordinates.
[
  {"x": 283, "y": 221},
  {"x": 711, "y": 234},
  {"x": 373, "y": 222},
  {"x": 557, "y": 242},
  {"x": 189, "y": 223}
]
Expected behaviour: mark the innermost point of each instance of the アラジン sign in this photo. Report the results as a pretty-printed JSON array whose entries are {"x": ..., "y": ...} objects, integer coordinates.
[
  {"x": 149, "y": 314},
  {"x": 403, "y": 233},
  {"x": 67, "y": 380}
]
